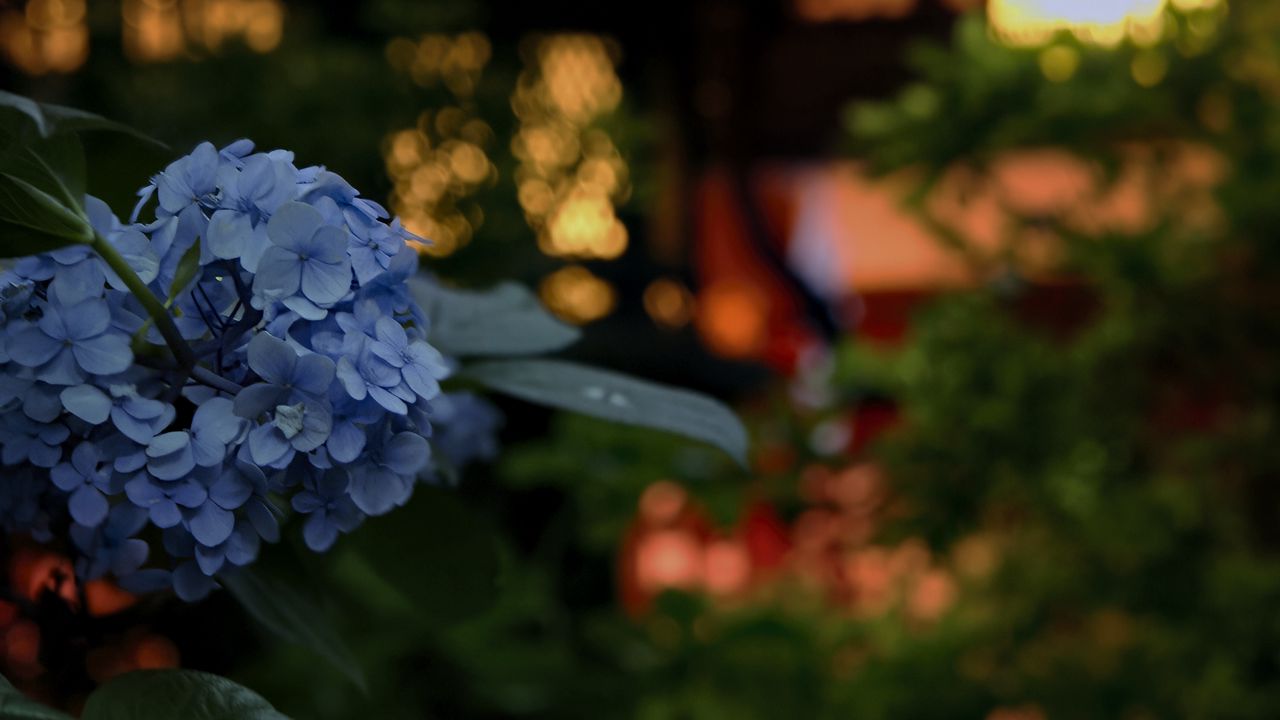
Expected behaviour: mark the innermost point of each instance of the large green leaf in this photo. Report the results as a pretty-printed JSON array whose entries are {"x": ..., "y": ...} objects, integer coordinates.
[
  {"x": 55, "y": 166},
  {"x": 438, "y": 554},
  {"x": 291, "y": 614},
  {"x": 19, "y": 115},
  {"x": 616, "y": 397},
  {"x": 176, "y": 695},
  {"x": 33, "y": 221},
  {"x": 504, "y": 320},
  {"x": 16, "y": 706}
]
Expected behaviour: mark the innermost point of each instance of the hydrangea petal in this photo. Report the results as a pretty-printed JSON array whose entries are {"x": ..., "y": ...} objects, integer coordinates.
[
  {"x": 87, "y": 403},
  {"x": 406, "y": 453},
  {"x": 273, "y": 359},
  {"x": 31, "y": 347},
  {"x": 87, "y": 506},
  {"x": 325, "y": 283},
  {"x": 106, "y": 354},
  {"x": 211, "y": 525},
  {"x": 319, "y": 533}
]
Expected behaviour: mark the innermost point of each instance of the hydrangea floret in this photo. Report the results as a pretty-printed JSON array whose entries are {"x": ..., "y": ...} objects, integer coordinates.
[{"x": 185, "y": 383}]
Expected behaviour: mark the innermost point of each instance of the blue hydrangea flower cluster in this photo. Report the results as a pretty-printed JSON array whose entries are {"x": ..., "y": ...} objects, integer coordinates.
[{"x": 317, "y": 389}]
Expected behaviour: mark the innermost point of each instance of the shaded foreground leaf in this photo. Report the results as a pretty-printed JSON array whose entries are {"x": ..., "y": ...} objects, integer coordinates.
[
  {"x": 613, "y": 396},
  {"x": 174, "y": 695},
  {"x": 436, "y": 552},
  {"x": 16, "y": 706},
  {"x": 292, "y": 616},
  {"x": 504, "y": 320}
]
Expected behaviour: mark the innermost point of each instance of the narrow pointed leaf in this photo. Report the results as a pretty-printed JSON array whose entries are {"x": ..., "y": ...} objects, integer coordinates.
[
  {"x": 48, "y": 120},
  {"x": 55, "y": 166},
  {"x": 616, "y": 397},
  {"x": 188, "y": 266},
  {"x": 504, "y": 320},
  {"x": 287, "y": 612},
  {"x": 172, "y": 694},
  {"x": 32, "y": 221}
]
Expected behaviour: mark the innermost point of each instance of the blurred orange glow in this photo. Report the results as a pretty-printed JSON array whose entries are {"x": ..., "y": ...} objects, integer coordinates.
[
  {"x": 584, "y": 226},
  {"x": 154, "y": 652},
  {"x": 662, "y": 502},
  {"x": 105, "y": 598},
  {"x": 50, "y": 36},
  {"x": 570, "y": 175},
  {"x": 829, "y": 10},
  {"x": 157, "y": 30},
  {"x": 138, "y": 650},
  {"x": 727, "y": 567},
  {"x": 576, "y": 295},
  {"x": 439, "y": 165},
  {"x": 668, "y": 559},
  {"x": 36, "y": 571},
  {"x": 733, "y": 318},
  {"x": 669, "y": 303},
  {"x": 578, "y": 75},
  {"x": 853, "y": 234},
  {"x": 934, "y": 592},
  {"x": 22, "y": 649}
]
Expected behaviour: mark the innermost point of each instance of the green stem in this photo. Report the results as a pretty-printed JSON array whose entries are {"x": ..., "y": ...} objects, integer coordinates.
[
  {"x": 159, "y": 315},
  {"x": 182, "y": 352}
]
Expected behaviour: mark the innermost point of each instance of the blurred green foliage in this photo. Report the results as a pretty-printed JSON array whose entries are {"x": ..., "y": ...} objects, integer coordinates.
[
  {"x": 1124, "y": 463},
  {"x": 1121, "y": 462}
]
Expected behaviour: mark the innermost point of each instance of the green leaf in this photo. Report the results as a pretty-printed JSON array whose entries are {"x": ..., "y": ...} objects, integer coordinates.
[
  {"x": 54, "y": 166},
  {"x": 32, "y": 221},
  {"x": 188, "y": 266},
  {"x": 292, "y": 615},
  {"x": 174, "y": 694},
  {"x": 438, "y": 554},
  {"x": 19, "y": 114},
  {"x": 505, "y": 320},
  {"x": 616, "y": 397},
  {"x": 16, "y": 706}
]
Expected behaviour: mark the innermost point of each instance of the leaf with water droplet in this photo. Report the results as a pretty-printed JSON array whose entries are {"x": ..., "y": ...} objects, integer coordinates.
[{"x": 617, "y": 397}]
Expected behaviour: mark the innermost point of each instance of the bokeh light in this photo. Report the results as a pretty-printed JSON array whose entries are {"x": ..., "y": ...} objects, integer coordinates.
[
  {"x": 1107, "y": 23},
  {"x": 50, "y": 36},
  {"x": 571, "y": 174},
  {"x": 669, "y": 303},
  {"x": 158, "y": 30},
  {"x": 438, "y": 165},
  {"x": 576, "y": 295}
]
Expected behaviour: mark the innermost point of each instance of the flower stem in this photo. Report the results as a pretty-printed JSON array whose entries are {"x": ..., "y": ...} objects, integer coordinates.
[
  {"x": 159, "y": 315},
  {"x": 202, "y": 374},
  {"x": 182, "y": 352}
]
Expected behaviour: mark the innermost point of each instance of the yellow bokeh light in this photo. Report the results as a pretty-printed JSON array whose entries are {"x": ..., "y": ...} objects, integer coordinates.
[
  {"x": 1099, "y": 22},
  {"x": 576, "y": 295},
  {"x": 585, "y": 226},
  {"x": 50, "y": 36},
  {"x": 571, "y": 174},
  {"x": 1059, "y": 63},
  {"x": 1149, "y": 68},
  {"x": 578, "y": 76},
  {"x": 441, "y": 161},
  {"x": 157, "y": 30},
  {"x": 669, "y": 303}
]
